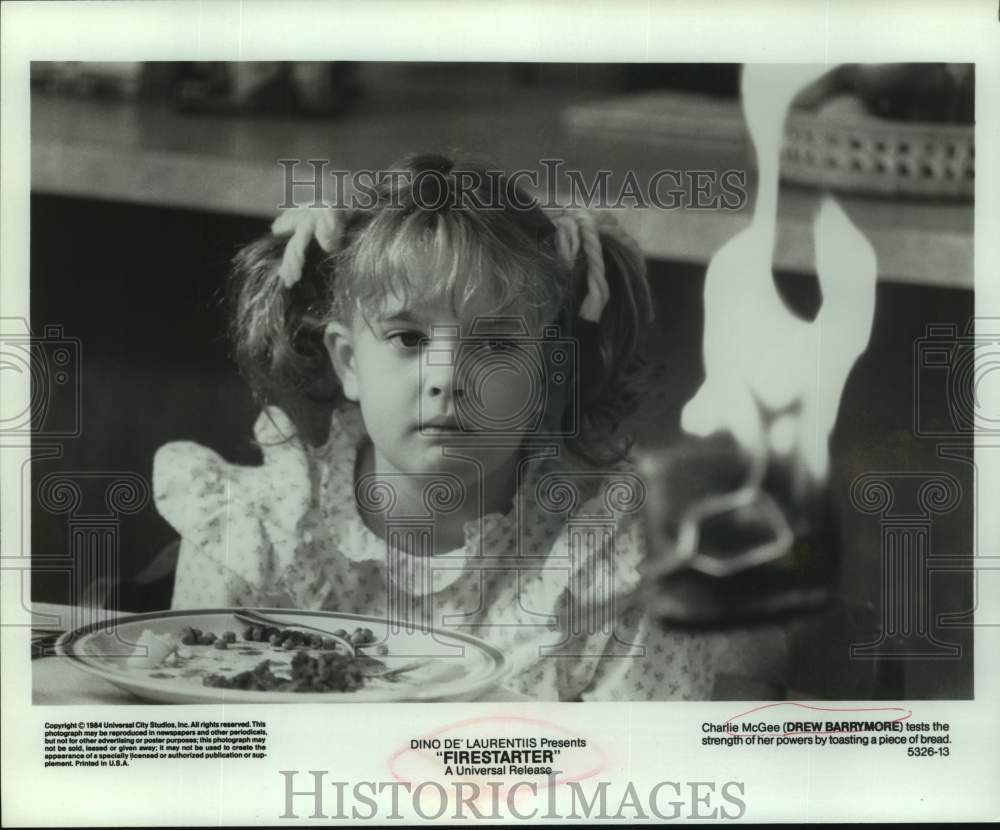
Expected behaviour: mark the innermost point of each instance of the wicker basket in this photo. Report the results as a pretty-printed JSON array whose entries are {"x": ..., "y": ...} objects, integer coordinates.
[{"x": 872, "y": 155}]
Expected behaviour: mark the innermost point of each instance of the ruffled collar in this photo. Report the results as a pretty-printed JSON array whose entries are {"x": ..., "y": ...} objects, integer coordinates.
[{"x": 489, "y": 535}]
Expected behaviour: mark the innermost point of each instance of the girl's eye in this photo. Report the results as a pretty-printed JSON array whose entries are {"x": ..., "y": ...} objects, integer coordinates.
[{"x": 406, "y": 340}]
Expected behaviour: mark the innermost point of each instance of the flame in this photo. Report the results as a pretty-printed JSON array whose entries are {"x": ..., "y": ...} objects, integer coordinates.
[{"x": 756, "y": 352}]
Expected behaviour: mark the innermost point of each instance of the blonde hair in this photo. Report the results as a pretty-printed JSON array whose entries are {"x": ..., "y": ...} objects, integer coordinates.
[{"x": 440, "y": 230}]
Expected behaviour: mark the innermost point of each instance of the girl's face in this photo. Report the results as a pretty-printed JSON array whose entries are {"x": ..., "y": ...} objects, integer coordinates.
[{"x": 427, "y": 381}]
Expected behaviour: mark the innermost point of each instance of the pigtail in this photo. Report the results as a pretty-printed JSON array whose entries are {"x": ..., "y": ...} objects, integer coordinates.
[
  {"x": 611, "y": 364},
  {"x": 276, "y": 333}
]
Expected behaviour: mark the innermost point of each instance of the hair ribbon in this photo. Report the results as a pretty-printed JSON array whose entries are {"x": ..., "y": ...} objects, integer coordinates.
[
  {"x": 578, "y": 229},
  {"x": 305, "y": 223},
  {"x": 575, "y": 230}
]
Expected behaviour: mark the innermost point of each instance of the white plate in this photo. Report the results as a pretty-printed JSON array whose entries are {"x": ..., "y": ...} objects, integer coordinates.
[{"x": 458, "y": 666}]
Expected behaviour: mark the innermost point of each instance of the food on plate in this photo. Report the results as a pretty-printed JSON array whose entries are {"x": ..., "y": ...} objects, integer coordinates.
[
  {"x": 328, "y": 672},
  {"x": 282, "y": 638},
  {"x": 362, "y": 637},
  {"x": 319, "y": 662},
  {"x": 171, "y": 664}
]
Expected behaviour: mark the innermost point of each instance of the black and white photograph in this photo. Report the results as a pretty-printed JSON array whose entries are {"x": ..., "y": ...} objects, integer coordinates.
[{"x": 457, "y": 390}]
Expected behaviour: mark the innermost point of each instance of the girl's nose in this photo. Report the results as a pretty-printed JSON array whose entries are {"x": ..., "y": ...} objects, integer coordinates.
[
  {"x": 445, "y": 385},
  {"x": 442, "y": 378},
  {"x": 445, "y": 390}
]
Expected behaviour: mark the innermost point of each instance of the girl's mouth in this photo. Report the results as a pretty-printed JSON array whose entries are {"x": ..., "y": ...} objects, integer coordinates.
[
  {"x": 441, "y": 423},
  {"x": 443, "y": 426},
  {"x": 439, "y": 429}
]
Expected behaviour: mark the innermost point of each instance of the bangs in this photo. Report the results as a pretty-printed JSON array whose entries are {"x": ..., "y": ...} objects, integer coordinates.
[{"x": 474, "y": 264}]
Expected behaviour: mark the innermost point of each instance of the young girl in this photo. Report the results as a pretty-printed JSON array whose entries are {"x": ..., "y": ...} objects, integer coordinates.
[{"x": 443, "y": 374}]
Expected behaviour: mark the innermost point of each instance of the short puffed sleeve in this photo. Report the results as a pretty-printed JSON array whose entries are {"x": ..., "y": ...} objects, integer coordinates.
[{"x": 237, "y": 524}]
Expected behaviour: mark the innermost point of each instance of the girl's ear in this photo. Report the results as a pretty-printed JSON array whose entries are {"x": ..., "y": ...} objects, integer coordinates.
[{"x": 340, "y": 346}]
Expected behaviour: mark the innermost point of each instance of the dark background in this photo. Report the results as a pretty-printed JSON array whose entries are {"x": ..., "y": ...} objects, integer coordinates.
[{"x": 140, "y": 287}]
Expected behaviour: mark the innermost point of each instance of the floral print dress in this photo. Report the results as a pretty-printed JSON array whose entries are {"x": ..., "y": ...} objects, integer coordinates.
[{"x": 551, "y": 583}]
